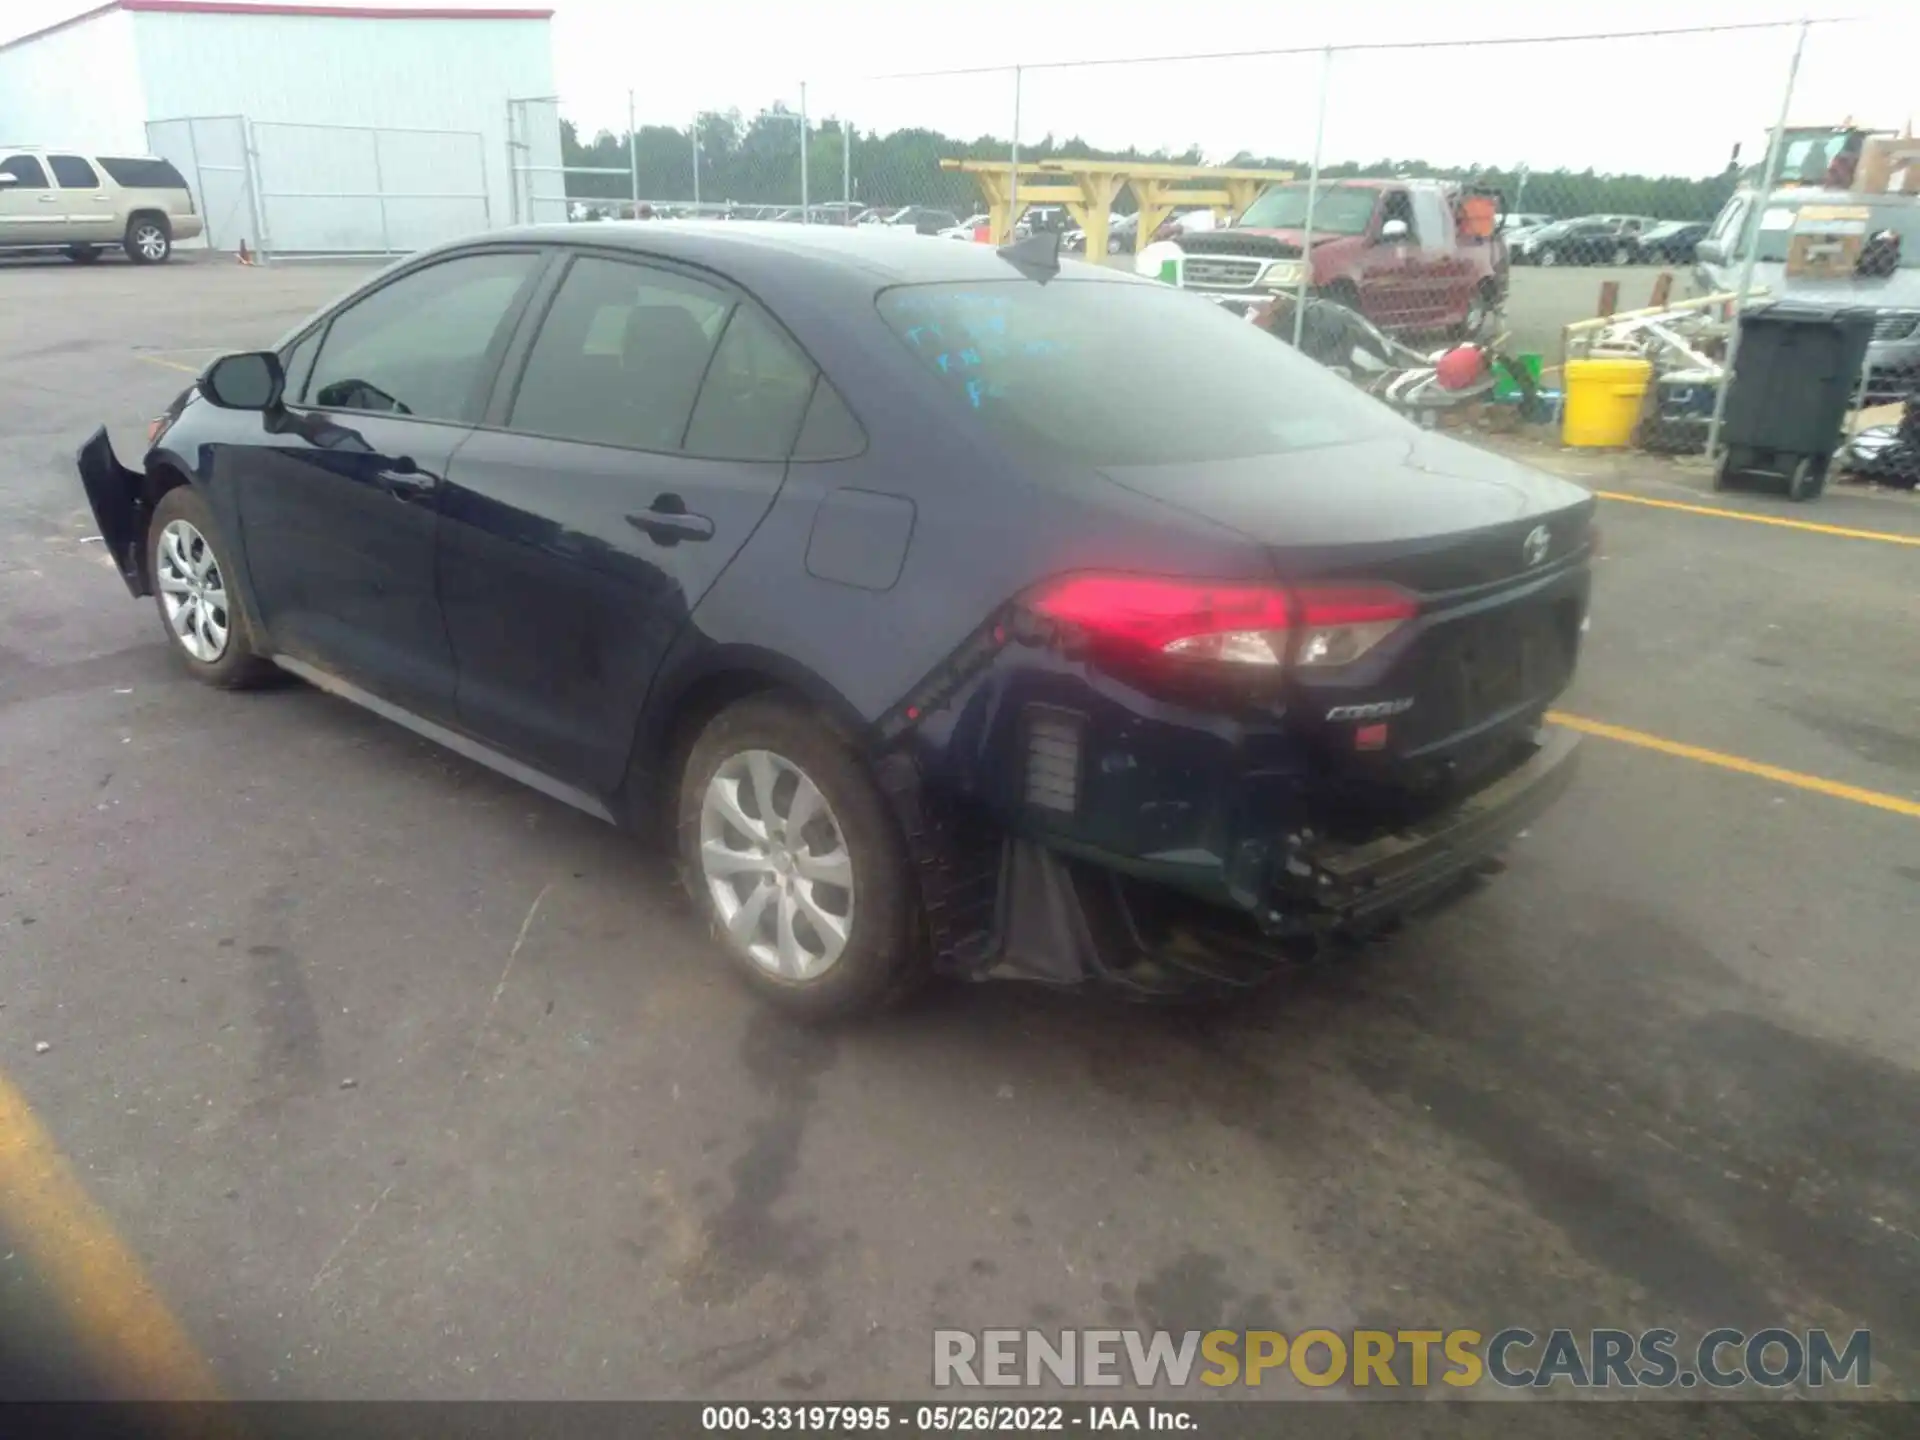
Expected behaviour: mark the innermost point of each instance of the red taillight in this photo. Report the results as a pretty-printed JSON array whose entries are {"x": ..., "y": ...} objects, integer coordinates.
[
  {"x": 1190, "y": 618},
  {"x": 1229, "y": 622}
]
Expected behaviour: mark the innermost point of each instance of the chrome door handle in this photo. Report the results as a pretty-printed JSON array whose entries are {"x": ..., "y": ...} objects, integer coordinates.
[{"x": 668, "y": 521}]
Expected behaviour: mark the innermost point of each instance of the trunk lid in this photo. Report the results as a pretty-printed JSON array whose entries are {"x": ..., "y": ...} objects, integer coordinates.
[
  {"x": 1411, "y": 508},
  {"x": 1496, "y": 555}
]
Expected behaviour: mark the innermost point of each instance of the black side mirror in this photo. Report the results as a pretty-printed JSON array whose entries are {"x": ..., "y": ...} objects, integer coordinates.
[{"x": 249, "y": 381}]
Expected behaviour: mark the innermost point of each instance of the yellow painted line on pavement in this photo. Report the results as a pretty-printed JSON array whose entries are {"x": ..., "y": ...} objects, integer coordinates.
[
  {"x": 129, "y": 1336},
  {"x": 1780, "y": 520},
  {"x": 1759, "y": 770},
  {"x": 170, "y": 364}
]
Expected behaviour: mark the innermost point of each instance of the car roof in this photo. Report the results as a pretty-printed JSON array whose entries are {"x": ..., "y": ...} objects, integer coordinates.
[{"x": 872, "y": 257}]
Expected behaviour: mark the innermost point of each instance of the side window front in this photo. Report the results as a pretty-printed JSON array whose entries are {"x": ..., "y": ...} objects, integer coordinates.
[
  {"x": 620, "y": 356},
  {"x": 1729, "y": 220},
  {"x": 755, "y": 394},
  {"x": 26, "y": 172},
  {"x": 73, "y": 173},
  {"x": 1396, "y": 206},
  {"x": 297, "y": 363},
  {"x": 426, "y": 344}
]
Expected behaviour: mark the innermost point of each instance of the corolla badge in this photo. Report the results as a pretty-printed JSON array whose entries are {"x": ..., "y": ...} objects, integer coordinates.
[{"x": 1533, "y": 549}]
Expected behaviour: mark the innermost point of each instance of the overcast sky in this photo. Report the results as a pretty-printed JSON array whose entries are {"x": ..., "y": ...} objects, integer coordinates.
[{"x": 1667, "y": 105}]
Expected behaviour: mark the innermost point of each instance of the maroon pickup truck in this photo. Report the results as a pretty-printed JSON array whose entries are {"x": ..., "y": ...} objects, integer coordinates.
[{"x": 1398, "y": 251}]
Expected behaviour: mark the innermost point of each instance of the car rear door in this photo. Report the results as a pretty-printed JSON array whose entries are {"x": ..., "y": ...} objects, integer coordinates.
[
  {"x": 85, "y": 201},
  {"x": 339, "y": 490},
  {"x": 30, "y": 211},
  {"x": 640, "y": 431}
]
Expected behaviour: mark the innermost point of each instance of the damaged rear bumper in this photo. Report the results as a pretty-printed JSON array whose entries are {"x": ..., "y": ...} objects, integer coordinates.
[
  {"x": 1068, "y": 919},
  {"x": 119, "y": 501},
  {"x": 1356, "y": 884}
]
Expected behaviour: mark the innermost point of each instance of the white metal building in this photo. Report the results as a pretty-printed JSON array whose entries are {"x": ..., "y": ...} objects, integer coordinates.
[{"x": 304, "y": 127}]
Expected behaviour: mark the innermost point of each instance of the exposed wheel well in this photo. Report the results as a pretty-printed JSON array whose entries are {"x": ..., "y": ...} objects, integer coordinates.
[
  {"x": 156, "y": 480},
  {"x": 660, "y": 748},
  {"x": 148, "y": 212}
]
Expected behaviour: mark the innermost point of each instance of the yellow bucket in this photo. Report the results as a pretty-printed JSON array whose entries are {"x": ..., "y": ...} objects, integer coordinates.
[{"x": 1603, "y": 401}]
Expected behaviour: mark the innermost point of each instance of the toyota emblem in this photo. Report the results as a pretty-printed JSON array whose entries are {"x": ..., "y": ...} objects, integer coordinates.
[{"x": 1533, "y": 549}]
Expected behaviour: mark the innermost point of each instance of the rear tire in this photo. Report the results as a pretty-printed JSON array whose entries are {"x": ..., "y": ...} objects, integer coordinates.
[
  {"x": 196, "y": 589},
  {"x": 819, "y": 918},
  {"x": 149, "y": 239}
]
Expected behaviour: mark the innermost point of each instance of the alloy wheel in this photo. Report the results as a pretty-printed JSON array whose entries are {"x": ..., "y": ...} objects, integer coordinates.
[
  {"x": 776, "y": 864},
  {"x": 193, "y": 591},
  {"x": 149, "y": 240}
]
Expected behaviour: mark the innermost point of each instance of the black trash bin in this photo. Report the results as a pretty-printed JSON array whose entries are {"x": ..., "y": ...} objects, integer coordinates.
[{"x": 1795, "y": 374}]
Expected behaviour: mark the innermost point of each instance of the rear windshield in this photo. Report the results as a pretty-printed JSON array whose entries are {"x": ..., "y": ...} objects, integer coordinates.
[
  {"x": 1117, "y": 373},
  {"x": 142, "y": 174}
]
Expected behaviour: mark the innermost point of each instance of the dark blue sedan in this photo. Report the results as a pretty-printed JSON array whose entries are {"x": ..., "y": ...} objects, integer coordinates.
[{"x": 955, "y": 609}]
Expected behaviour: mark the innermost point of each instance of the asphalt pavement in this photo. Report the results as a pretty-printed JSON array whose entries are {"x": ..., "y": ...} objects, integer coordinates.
[{"x": 400, "y": 1080}]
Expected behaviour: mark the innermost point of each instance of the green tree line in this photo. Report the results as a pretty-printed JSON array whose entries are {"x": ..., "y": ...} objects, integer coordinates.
[{"x": 755, "y": 160}]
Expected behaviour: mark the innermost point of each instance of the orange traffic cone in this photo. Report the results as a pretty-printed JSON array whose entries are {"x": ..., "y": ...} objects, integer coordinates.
[{"x": 244, "y": 256}]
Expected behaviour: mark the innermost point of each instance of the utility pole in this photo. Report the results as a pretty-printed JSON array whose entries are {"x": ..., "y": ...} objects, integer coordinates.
[{"x": 1769, "y": 178}]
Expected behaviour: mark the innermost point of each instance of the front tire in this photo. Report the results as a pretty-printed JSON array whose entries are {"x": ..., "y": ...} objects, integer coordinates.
[
  {"x": 1549, "y": 257},
  {"x": 194, "y": 588},
  {"x": 788, "y": 848},
  {"x": 149, "y": 239}
]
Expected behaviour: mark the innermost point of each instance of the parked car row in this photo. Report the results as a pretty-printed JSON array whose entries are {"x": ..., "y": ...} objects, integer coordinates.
[
  {"x": 1121, "y": 230},
  {"x": 1604, "y": 240}
]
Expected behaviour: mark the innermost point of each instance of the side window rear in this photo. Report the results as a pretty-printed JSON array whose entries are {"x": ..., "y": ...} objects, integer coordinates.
[
  {"x": 829, "y": 431},
  {"x": 620, "y": 356},
  {"x": 755, "y": 394},
  {"x": 73, "y": 173},
  {"x": 426, "y": 344},
  {"x": 26, "y": 172},
  {"x": 142, "y": 172}
]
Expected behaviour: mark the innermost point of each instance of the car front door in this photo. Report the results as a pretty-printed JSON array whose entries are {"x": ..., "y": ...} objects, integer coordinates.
[
  {"x": 30, "y": 212},
  {"x": 85, "y": 202},
  {"x": 644, "y": 435},
  {"x": 338, "y": 492}
]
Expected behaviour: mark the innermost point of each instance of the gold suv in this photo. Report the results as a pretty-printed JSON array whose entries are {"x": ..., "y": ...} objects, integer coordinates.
[{"x": 80, "y": 203}]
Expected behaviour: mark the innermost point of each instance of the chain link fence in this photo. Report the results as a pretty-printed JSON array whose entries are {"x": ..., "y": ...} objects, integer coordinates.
[{"x": 294, "y": 190}]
